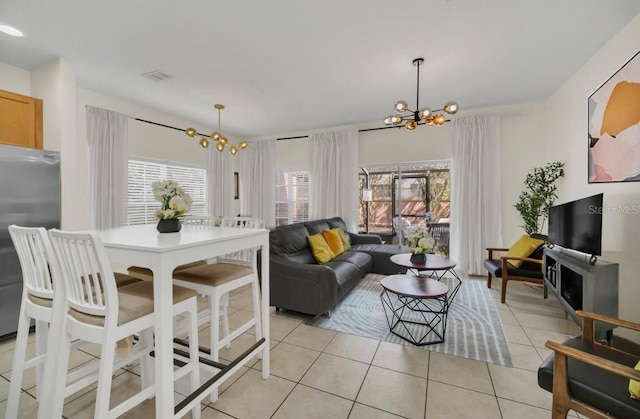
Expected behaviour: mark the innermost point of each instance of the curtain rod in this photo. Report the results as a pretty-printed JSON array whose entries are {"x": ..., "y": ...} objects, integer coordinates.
[
  {"x": 154, "y": 123},
  {"x": 277, "y": 139},
  {"x": 360, "y": 130}
]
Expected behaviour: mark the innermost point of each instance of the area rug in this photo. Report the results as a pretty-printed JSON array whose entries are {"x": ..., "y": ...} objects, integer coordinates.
[{"x": 473, "y": 327}]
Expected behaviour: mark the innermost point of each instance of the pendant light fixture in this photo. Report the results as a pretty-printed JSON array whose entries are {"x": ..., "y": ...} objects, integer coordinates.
[
  {"x": 419, "y": 116},
  {"x": 216, "y": 137}
]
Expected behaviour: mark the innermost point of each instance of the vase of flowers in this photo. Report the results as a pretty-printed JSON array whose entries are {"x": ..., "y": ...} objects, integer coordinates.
[
  {"x": 420, "y": 242},
  {"x": 175, "y": 203}
]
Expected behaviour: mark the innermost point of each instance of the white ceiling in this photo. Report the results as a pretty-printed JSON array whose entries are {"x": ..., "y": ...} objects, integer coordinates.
[{"x": 289, "y": 65}]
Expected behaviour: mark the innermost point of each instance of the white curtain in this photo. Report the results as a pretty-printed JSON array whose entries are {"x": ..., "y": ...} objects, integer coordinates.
[
  {"x": 220, "y": 185},
  {"x": 107, "y": 137},
  {"x": 475, "y": 191},
  {"x": 333, "y": 176},
  {"x": 257, "y": 174}
]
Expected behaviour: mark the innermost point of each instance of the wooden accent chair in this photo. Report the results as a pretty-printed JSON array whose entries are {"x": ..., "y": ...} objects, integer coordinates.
[
  {"x": 589, "y": 377},
  {"x": 530, "y": 271}
]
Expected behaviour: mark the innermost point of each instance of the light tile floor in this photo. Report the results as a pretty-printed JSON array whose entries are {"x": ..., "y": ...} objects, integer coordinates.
[{"x": 317, "y": 373}]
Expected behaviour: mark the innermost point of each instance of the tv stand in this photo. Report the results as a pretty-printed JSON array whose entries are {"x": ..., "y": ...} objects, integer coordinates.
[{"x": 582, "y": 283}]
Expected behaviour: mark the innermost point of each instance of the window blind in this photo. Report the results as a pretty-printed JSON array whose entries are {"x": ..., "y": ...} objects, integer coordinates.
[
  {"x": 143, "y": 173},
  {"x": 292, "y": 196}
]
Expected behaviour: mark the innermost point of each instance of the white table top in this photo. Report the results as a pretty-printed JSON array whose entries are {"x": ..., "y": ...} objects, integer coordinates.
[{"x": 146, "y": 237}]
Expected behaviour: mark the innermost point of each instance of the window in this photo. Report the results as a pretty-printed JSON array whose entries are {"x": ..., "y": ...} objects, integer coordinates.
[
  {"x": 292, "y": 196},
  {"x": 142, "y": 173}
]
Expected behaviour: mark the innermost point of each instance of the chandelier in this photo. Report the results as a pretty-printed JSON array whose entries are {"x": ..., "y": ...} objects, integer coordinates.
[
  {"x": 419, "y": 116},
  {"x": 216, "y": 137}
]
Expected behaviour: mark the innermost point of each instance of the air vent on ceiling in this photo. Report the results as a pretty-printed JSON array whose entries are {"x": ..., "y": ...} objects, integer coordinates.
[{"x": 157, "y": 75}]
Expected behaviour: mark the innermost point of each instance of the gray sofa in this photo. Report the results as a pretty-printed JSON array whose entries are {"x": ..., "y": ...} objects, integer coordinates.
[{"x": 299, "y": 284}]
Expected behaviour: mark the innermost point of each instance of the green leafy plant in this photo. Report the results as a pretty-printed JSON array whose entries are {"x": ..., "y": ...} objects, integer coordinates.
[{"x": 534, "y": 202}]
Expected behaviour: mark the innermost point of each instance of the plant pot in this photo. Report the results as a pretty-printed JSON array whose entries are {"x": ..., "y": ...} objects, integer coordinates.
[
  {"x": 420, "y": 258},
  {"x": 169, "y": 226}
]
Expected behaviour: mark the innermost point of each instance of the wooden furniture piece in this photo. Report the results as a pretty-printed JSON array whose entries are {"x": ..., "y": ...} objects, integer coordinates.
[
  {"x": 89, "y": 307},
  {"x": 437, "y": 266},
  {"x": 34, "y": 252},
  {"x": 579, "y": 284},
  {"x": 20, "y": 120},
  {"x": 588, "y": 377},
  {"x": 162, "y": 253},
  {"x": 530, "y": 270},
  {"x": 418, "y": 301}
]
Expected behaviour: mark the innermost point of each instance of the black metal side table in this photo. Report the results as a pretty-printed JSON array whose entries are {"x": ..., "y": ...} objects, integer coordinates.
[{"x": 416, "y": 308}]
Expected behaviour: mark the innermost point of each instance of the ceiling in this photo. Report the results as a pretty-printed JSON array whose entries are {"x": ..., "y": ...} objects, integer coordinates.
[{"x": 282, "y": 66}]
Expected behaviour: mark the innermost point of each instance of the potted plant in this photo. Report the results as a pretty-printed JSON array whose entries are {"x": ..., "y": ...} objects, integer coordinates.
[
  {"x": 175, "y": 203},
  {"x": 540, "y": 194}
]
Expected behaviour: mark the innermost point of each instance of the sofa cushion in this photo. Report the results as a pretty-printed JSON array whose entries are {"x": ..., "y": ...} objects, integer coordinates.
[
  {"x": 338, "y": 222},
  {"x": 320, "y": 248},
  {"x": 602, "y": 389},
  {"x": 381, "y": 256},
  {"x": 495, "y": 267},
  {"x": 317, "y": 226},
  {"x": 290, "y": 241},
  {"x": 346, "y": 239},
  {"x": 333, "y": 240},
  {"x": 362, "y": 261}
]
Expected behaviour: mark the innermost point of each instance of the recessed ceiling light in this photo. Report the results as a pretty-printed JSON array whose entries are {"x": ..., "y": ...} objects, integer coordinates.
[{"x": 10, "y": 30}]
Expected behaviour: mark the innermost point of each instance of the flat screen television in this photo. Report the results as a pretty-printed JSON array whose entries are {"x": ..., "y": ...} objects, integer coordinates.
[{"x": 577, "y": 225}]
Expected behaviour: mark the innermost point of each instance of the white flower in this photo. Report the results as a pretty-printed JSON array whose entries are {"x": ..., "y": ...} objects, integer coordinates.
[
  {"x": 175, "y": 201},
  {"x": 426, "y": 243}
]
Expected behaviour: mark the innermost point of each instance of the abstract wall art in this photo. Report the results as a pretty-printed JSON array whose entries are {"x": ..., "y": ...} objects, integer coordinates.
[{"x": 614, "y": 127}]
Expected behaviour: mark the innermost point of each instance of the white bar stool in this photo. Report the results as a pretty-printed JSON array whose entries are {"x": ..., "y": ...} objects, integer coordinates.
[
  {"x": 34, "y": 252},
  {"x": 216, "y": 280},
  {"x": 96, "y": 311}
]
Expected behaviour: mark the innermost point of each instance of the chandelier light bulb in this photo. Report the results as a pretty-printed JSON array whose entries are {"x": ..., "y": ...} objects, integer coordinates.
[
  {"x": 424, "y": 113},
  {"x": 204, "y": 143},
  {"x": 233, "y": 150},
  {"x": 219, "y": 147},
  {"x": 396, "y": 119},
  {"x": 401, "y": 106},
  {"x": 451, "y": 108},
  {"x": 223, "y": 141},
  {"x": 411, "y": 125},
  {"x": 191, "y": 132},
  {"x": 215, "y": 135},
  {"x": 387, "y": 120},
  {"x": 439, "y": 119},
  {"x": 243, "y": 144},
  {"x": 430, "y": 121}
]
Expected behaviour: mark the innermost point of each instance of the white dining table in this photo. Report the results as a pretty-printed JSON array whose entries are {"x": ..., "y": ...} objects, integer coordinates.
[{"x": 143, "y": 245}]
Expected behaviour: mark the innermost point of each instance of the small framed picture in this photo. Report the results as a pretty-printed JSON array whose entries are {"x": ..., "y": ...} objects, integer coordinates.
[{"x": 236, "y": 186}]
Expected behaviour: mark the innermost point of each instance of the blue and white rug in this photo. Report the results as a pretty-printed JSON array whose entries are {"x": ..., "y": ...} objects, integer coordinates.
[{"x": 473, "y": 326}]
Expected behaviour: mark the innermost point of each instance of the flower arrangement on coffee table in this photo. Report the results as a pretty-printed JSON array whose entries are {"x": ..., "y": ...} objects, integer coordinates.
[{"x": 420, "y": 242}]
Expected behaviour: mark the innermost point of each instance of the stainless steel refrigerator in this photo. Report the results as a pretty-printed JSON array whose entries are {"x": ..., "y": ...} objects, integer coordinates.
[{"x": 30, "y": 197}]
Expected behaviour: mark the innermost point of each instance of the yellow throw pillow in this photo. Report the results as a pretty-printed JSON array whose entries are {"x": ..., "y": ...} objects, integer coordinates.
[
  {"x": 523, "y": 248},
  {"x": 345, "y": 241},
  {"x": 334, "y": 241},
  {"x": 320, "y": 249},
  {"x": 634, "y": 385}
]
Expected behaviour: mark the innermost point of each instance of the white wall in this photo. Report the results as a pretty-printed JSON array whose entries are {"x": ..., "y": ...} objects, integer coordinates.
[
  {"x": 565, "y": 137},
  {"x": 14, "y": 79}
]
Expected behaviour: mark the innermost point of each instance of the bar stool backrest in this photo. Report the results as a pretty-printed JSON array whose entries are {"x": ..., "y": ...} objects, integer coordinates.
[
  {"x": 247, "y": 256},
  {"x": 34, "y": 250},
  {"x": 89, "y": 281}
]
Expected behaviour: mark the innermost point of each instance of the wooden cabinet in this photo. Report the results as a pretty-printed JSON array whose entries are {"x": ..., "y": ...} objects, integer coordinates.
[{"x": 20, "y": 120}]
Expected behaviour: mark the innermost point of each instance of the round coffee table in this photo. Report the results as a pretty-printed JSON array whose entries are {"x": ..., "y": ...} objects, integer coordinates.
[
  {"x": 418, "y": 302},
  {"x": 438, "y": 266}
]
